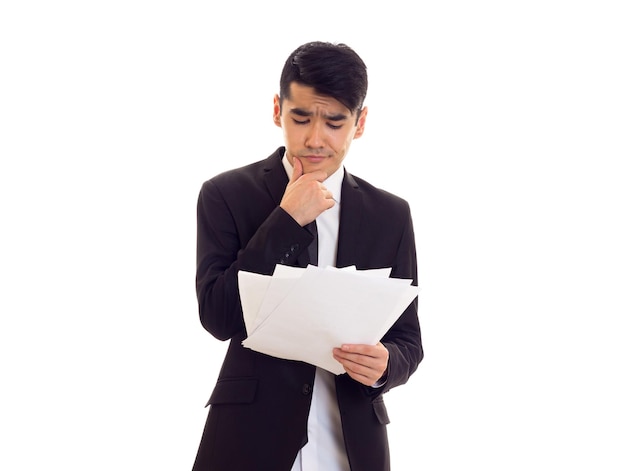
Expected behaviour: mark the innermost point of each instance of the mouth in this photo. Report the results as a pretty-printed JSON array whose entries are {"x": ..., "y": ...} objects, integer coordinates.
[{"x": 314, "y": 158}]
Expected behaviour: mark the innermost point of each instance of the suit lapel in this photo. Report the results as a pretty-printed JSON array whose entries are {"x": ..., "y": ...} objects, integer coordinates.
[
  {"x": 350, "y": 220},
  {"x": 275, "y": 175}
]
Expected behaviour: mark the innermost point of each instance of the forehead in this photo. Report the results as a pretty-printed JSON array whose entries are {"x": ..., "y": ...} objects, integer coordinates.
[{"x": 305, "y": 98}]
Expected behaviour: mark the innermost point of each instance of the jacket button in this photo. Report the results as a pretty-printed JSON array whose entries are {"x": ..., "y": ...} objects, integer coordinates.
[{"x": 306, "y": 389}]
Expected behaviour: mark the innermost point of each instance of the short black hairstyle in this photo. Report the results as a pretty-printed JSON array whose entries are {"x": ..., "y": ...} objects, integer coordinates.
[{"x": 333, "y": 70}]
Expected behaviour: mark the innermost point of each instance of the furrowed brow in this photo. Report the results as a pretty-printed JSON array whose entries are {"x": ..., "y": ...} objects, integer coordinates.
[
  {"x": 336, "y": 117},
  {"x": 307, "y": 114},
  {"x": 301, "y": 112}
]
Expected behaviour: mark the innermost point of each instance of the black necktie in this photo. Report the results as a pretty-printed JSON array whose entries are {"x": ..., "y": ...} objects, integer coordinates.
[{"x": 312, "y": 227}]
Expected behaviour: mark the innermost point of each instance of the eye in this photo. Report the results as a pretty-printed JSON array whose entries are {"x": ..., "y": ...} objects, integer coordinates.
[
  {"x": 301, "y": 122},
  {"x": 334, "y": 126}
]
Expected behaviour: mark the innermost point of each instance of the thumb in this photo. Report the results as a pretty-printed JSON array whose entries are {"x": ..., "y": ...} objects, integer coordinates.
[{"x": 297, "y": 169}]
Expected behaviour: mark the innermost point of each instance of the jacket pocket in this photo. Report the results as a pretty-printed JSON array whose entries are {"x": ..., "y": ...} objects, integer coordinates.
[
  {"x": 380, "y": 410},
  {"x": 233, "y": 391}
]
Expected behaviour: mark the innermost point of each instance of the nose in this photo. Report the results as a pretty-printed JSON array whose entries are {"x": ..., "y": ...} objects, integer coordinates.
[{"x": 315, "y": 136}]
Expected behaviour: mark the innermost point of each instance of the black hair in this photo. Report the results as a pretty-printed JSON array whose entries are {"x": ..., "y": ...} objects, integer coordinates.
[{"x": 333, "y": 70}]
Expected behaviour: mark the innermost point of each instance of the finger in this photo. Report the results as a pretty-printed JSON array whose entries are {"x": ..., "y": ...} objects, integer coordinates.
[
  {"x": 354, "y": 361},
  {"x": 361, "y": 349},
  {"x": 360, "y": 373},
  {"x": 297, "y": 169},
  {"x": 370, "y": 357}
]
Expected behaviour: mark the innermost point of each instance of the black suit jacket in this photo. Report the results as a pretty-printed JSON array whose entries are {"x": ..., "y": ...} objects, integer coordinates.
[{"x": 259, "y": 406}]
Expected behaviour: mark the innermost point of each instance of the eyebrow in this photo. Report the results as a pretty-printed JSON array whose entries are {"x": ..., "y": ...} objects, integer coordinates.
[{"x": 306, "y": 114}]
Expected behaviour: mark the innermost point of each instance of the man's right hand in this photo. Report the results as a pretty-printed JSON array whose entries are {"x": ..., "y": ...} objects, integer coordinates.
[{"x": 306, "y": 197}]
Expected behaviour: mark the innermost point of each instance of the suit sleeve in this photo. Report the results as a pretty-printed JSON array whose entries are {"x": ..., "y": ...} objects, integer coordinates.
[
  {"x": 403, "y": 340},
  {"x": 234, "y": 234}
]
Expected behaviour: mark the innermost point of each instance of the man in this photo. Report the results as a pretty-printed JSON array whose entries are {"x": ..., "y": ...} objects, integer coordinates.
[{"x": 273, "y": 414}]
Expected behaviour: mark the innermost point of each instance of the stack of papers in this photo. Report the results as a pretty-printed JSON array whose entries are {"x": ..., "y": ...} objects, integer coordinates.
[{"x": 303, "y": 313}]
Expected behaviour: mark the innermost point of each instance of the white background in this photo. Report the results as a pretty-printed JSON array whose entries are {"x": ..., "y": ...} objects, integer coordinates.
[{"x": 502, "y": 123}]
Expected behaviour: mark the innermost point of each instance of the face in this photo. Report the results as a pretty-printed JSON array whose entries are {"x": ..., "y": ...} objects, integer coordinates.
[{"x": 318, "y": 129}]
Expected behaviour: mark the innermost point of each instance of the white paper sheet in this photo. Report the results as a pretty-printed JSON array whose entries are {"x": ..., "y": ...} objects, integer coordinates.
[{"x": 302, "y": 314}]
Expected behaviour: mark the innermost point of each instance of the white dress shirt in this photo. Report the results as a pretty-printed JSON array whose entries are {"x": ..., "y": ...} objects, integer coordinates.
[{"x": 325, "y": 449}]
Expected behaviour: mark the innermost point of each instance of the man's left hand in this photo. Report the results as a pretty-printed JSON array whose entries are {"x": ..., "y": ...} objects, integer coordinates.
[{"x": 364, "y": 363}]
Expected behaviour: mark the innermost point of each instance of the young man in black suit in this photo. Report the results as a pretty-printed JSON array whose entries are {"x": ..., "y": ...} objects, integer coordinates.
[{"x": 273, "y": 414}]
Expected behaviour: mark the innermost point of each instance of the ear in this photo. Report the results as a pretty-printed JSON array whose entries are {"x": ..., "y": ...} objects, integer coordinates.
[
  {"x": 360, "y": 125},
  {"x": 277, "y": 111}
]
